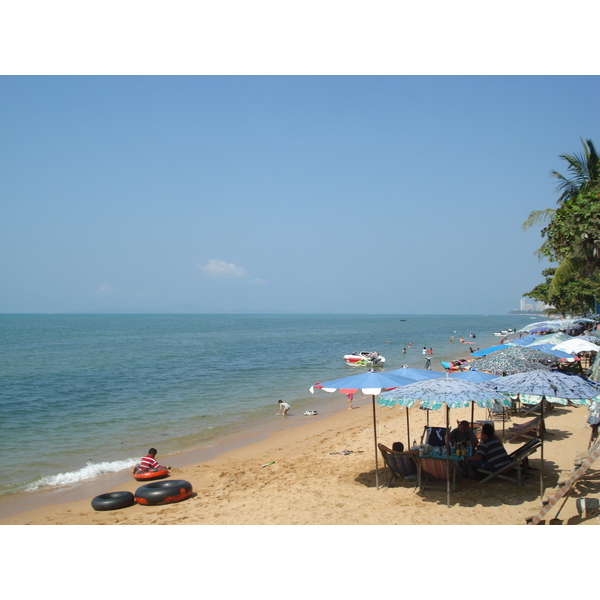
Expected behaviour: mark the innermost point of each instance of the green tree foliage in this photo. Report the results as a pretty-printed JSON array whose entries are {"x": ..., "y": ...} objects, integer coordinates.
[{"x": 572, "y": 237}]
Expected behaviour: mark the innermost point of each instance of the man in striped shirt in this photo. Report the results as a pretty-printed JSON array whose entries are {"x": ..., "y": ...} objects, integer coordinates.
[
  {"x": 490, "y": 454},
  {"x": 149, "y": 462}
]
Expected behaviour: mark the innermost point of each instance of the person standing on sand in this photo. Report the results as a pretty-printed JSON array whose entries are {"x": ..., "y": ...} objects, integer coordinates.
[
  {"x": 283, "y": 408},
  {"x": 350, "y": 397},
  {"x": 428, "y": 362}
]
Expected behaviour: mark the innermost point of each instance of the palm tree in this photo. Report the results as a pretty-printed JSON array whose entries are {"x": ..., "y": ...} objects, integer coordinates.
[
  {"x": 583, "y": 176},
  {"x": 584, "y": 171}
]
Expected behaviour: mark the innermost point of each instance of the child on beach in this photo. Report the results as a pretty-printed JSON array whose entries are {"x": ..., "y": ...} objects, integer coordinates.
[
  {"x": 283, "y": 408},
  {"x": 149, "y": 462}
]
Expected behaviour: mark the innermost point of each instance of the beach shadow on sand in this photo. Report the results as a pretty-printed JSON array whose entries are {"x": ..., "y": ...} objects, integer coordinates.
[{"x": 470, "y": 493}]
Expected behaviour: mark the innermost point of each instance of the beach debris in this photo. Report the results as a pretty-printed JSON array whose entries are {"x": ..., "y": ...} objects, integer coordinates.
[
  {"x": 269, "y": 463},
  {"x": 346, "y": 452},
  {"x": 310, "y": 413}
]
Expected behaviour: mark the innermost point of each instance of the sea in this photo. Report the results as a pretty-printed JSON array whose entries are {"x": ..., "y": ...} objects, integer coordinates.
[{"x": 85, "y": 396}]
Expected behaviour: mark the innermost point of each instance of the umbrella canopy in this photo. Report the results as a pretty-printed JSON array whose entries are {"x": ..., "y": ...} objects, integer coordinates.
[
  {"x": 370, "y": 383},
  {"x": 491, "y": 349},
  {"x": 434, "y": 393},
  {"x": 510, "y": 361},
  {"x": 555, "y": 325},
  {"x": 474, "y": 376},
  {"x": 547, "y": 348},
  {"x": 416, "y": 374},
  {"x": 589, "y": 338},
  {"x": 555, "y": 386},
  {"x": 526, "y": 340},
  {"x": 553, "y": 338},
  {"x": 575, "y": 345}
]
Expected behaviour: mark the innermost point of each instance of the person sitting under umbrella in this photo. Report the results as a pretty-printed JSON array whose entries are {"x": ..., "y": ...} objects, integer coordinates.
[
  {"x": 490, "y": 455},
  {"x": 463, "y": 434}
]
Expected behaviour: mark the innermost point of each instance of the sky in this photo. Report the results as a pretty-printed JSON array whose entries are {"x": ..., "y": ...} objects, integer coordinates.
[
  {"x": 217, "y": 158},
  {"x": 294, "y": 194}
]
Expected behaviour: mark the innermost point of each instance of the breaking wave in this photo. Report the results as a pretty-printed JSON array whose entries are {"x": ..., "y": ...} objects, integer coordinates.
[{"x": 90, "y": 471}]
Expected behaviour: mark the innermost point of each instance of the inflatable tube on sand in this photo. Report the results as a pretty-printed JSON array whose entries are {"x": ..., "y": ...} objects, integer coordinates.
[
  {"x": 163, "y": 492},
  {"x": 151, "y": 474},
  {"x": 112, "y": 501}
]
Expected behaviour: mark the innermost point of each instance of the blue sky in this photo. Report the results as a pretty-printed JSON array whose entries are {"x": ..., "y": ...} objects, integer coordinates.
[{"x": 359, "y": 194}]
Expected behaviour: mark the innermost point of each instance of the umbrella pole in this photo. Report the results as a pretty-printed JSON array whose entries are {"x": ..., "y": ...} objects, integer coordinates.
[
  {"x": 447, "y": 455},
  {"x": 407, "y": 428},
  {"x": 375, "y": 437},
  {"x": 542, "y": 428}
]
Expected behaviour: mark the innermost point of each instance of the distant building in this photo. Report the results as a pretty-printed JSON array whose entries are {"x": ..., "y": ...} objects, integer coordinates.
[{"x": 531, "y": 307}]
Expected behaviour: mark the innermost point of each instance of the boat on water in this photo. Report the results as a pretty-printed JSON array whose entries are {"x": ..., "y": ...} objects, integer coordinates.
[
  {"x": 505, "y": 332},
  {"x": 364, "y": 358}
]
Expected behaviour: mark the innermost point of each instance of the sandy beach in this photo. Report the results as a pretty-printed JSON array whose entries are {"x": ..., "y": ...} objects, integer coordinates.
[{"x": 323, "y": 473}]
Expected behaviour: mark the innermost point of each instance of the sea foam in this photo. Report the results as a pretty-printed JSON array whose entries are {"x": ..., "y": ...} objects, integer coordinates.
[{"x": 90, "y": 471}]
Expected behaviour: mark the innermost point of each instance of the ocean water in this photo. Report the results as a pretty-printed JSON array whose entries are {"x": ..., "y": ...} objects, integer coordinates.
[{"x": 86, "y": 395}]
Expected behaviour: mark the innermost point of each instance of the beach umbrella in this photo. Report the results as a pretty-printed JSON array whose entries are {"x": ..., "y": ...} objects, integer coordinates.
[
  {"x": 529, "y": 328},
  {"x": 547, "y": 348},
  {"x": 449, "y": 392},
  {"x": 475, "y": 377},
  {"x": 589, "y": 338},
  {"x": 575, "y": 345},
  {"x": 516, "y": 359},
  {"x": 370, "y": 383},
  {"x": 417, "y": 375},
  {"x": 489, "y": 350},
  {"x": 525, "y": 340},
  {"x": 553, "y": 338},
  {"x": 546, "y": 386}
]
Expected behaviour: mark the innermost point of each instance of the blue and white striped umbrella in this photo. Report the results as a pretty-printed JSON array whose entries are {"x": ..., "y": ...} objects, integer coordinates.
[{"x": 434, "y": 393}]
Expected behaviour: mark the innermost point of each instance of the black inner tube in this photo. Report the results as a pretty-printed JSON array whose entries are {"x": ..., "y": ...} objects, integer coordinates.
[{"x": 113, "y": 501}]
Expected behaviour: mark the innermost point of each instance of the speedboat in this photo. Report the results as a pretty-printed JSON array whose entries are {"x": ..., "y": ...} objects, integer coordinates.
[{"x": 364, "y": 359}]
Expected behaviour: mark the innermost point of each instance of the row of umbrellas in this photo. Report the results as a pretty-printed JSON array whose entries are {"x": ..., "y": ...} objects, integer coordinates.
[
  {"x": 556, "y": 325},
  {"x": 534, "y": 382}
]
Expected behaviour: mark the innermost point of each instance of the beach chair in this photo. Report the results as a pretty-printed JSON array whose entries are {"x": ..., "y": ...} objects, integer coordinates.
[
  {"x": 401, "y": 464},
  {"x": 527, "y": 429},
  {"x": 438, "y": 468},
  {"x": 497, "y": 412},
  {"x": 434, "y": 436},
  {"x": 519, "y": 461}
]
